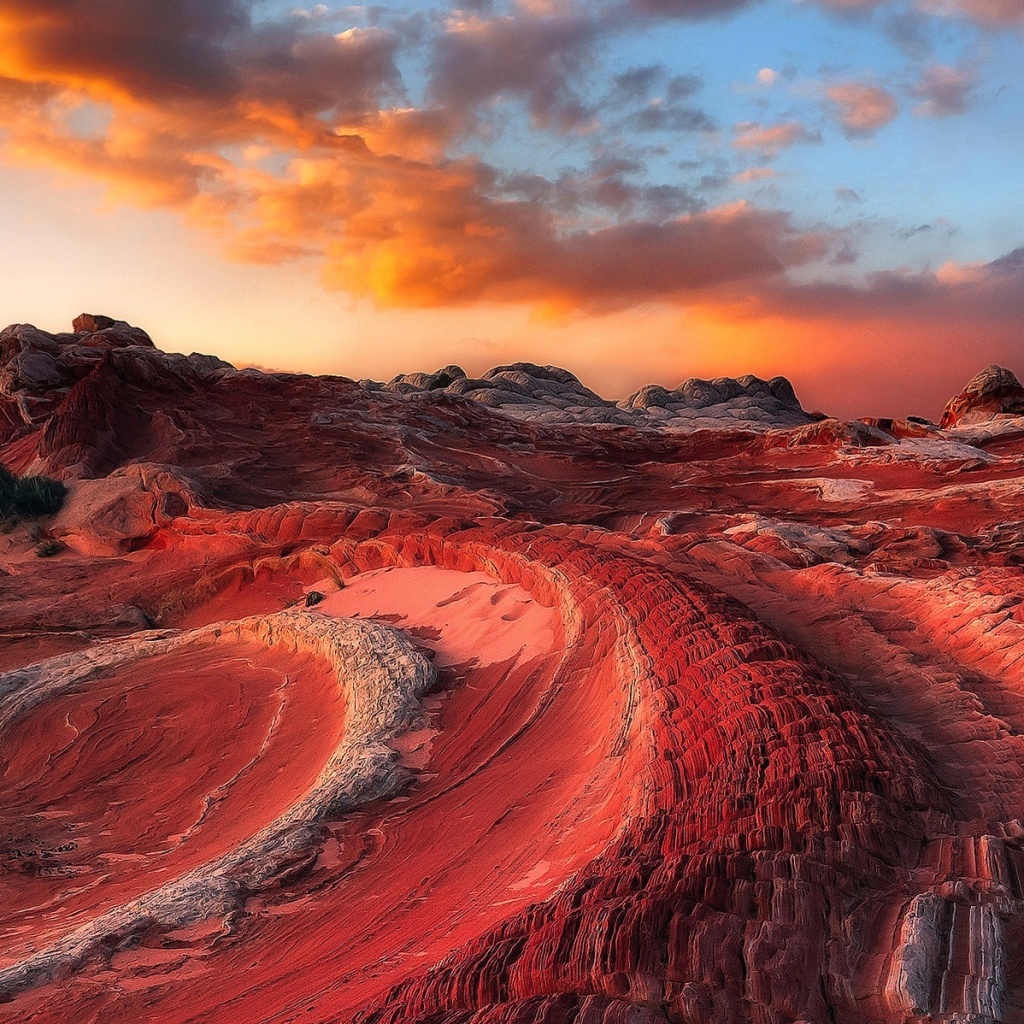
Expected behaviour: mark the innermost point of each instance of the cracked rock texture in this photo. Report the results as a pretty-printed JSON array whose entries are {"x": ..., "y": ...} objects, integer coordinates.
[{"x": 691, "y": 708}]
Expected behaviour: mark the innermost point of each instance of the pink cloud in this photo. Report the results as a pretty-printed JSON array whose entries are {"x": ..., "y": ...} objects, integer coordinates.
[
  {"x": 769, "y": 139},
  {"x": 861, "y": 108},
  {"x": 989, "y": 12},
  {"x": 755, "y": 174}
]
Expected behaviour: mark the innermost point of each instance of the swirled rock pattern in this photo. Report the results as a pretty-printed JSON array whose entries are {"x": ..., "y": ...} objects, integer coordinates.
[
  {"x": 61, "y": 731},
  {"x": 354, "y": 703}
]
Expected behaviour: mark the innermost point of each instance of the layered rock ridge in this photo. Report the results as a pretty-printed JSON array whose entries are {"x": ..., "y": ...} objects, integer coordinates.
[{"x": 381, "y": 678}]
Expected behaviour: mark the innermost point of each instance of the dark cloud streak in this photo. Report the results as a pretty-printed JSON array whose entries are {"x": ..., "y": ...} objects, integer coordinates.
[
  {"x": 944, "y": 91},
  {"x": 201, "y": 52}
]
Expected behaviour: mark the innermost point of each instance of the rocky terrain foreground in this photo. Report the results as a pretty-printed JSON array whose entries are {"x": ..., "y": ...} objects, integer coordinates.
[{"x": 457, "y": 700}]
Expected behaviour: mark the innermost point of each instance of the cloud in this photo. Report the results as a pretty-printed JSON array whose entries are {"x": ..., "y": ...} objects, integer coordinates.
[
  {"x": 681, "y": 87},
  {"x": 664, "y": 112},
  {"x": 695, "y": 252},
  {"x": 664, "y": 117},
  {"x": 309, "y": 13},
  {"x": 851, "y": 8},
  {"x": 905, "y": 234},
  {"x": 537, "y": 58},
  {"x": 995, "y": 13},
  {"x": 423, "y": 133},
  {"x": 755, "y": 174},
  {"x": 944, "y": 91},
  {"x": 940, "y": 225},
  {"x": 635, "y": 84},
  {"x": 422, "y": 236},
  {"x": 172, "y": 49},
  {"x": 292, "y": 141},
  {"x": 182, "y": 52},
  {"x": 847, "y": 195},
  {"x": 976, "y": 293},
  {"x": 908, "y": 29},
  {"x": 861, "y": 108},
  {"x": 769, "y": 139},
  {"x": 689, "y": 10},
  {"x": 606, "y": 186}
]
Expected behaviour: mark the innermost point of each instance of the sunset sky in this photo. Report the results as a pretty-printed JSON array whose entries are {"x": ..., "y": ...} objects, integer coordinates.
[{"x": 640, "y": 190}]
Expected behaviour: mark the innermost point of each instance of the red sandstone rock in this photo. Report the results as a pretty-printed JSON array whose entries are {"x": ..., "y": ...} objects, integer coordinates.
[
  {"x": 120, "y": 512},
  {"x": 727, "y": 725}
]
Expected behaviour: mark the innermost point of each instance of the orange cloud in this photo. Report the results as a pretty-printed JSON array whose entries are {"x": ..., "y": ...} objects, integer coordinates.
[
  {"x": 295, "y": 143},
  {"x": 755, "y": 174},
  {"x": 279, "y": 137},
  {"x": 408, "y": 233}
]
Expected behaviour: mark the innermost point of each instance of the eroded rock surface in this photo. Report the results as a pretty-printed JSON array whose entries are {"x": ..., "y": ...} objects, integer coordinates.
[
  {"x": 992, "y": 392},
  {"x": 189, "y": 876},
  {"x": 690, "y": 717}
]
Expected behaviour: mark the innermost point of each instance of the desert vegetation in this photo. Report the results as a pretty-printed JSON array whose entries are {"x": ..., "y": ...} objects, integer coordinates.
[{"x": 29, "y": 497}]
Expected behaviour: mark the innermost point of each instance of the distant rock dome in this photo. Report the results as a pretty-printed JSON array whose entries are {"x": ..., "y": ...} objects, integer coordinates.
[{"x": 551, "y": 394}]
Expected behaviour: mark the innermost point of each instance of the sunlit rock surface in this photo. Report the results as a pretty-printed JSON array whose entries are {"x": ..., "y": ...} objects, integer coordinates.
[{"x": 395, "y": 703}]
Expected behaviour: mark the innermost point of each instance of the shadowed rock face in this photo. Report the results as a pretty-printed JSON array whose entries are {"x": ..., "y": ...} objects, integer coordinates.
[
  {"x": 591, "y": 722},
  {"x": 38, "y": 369}
]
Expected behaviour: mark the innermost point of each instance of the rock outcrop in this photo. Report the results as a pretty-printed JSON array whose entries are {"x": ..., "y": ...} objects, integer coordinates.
[
  {"x": 992, "y": 392},
  {"x": 38, "y": 369},
  {"x": 550, "y": 394},
  {"x": 598, "y": 714},
  {"x": 746, "y": 402},
  {"x": 523, "y": 389}
]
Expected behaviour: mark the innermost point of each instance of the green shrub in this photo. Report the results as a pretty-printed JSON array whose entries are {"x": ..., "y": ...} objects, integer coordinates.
[{"x": 29, "y": 497}]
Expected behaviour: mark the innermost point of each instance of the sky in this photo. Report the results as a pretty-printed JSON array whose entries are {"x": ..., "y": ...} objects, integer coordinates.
[{"x": 640, "y": 190}]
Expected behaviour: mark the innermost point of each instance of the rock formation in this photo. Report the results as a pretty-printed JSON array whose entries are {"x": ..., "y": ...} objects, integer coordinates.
[
  {"x": 382, "y": 678},
  {"x": 993, "y": 391},
  {"x": 553, "y": 395},
  {"x": 599, "y": 714}
]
